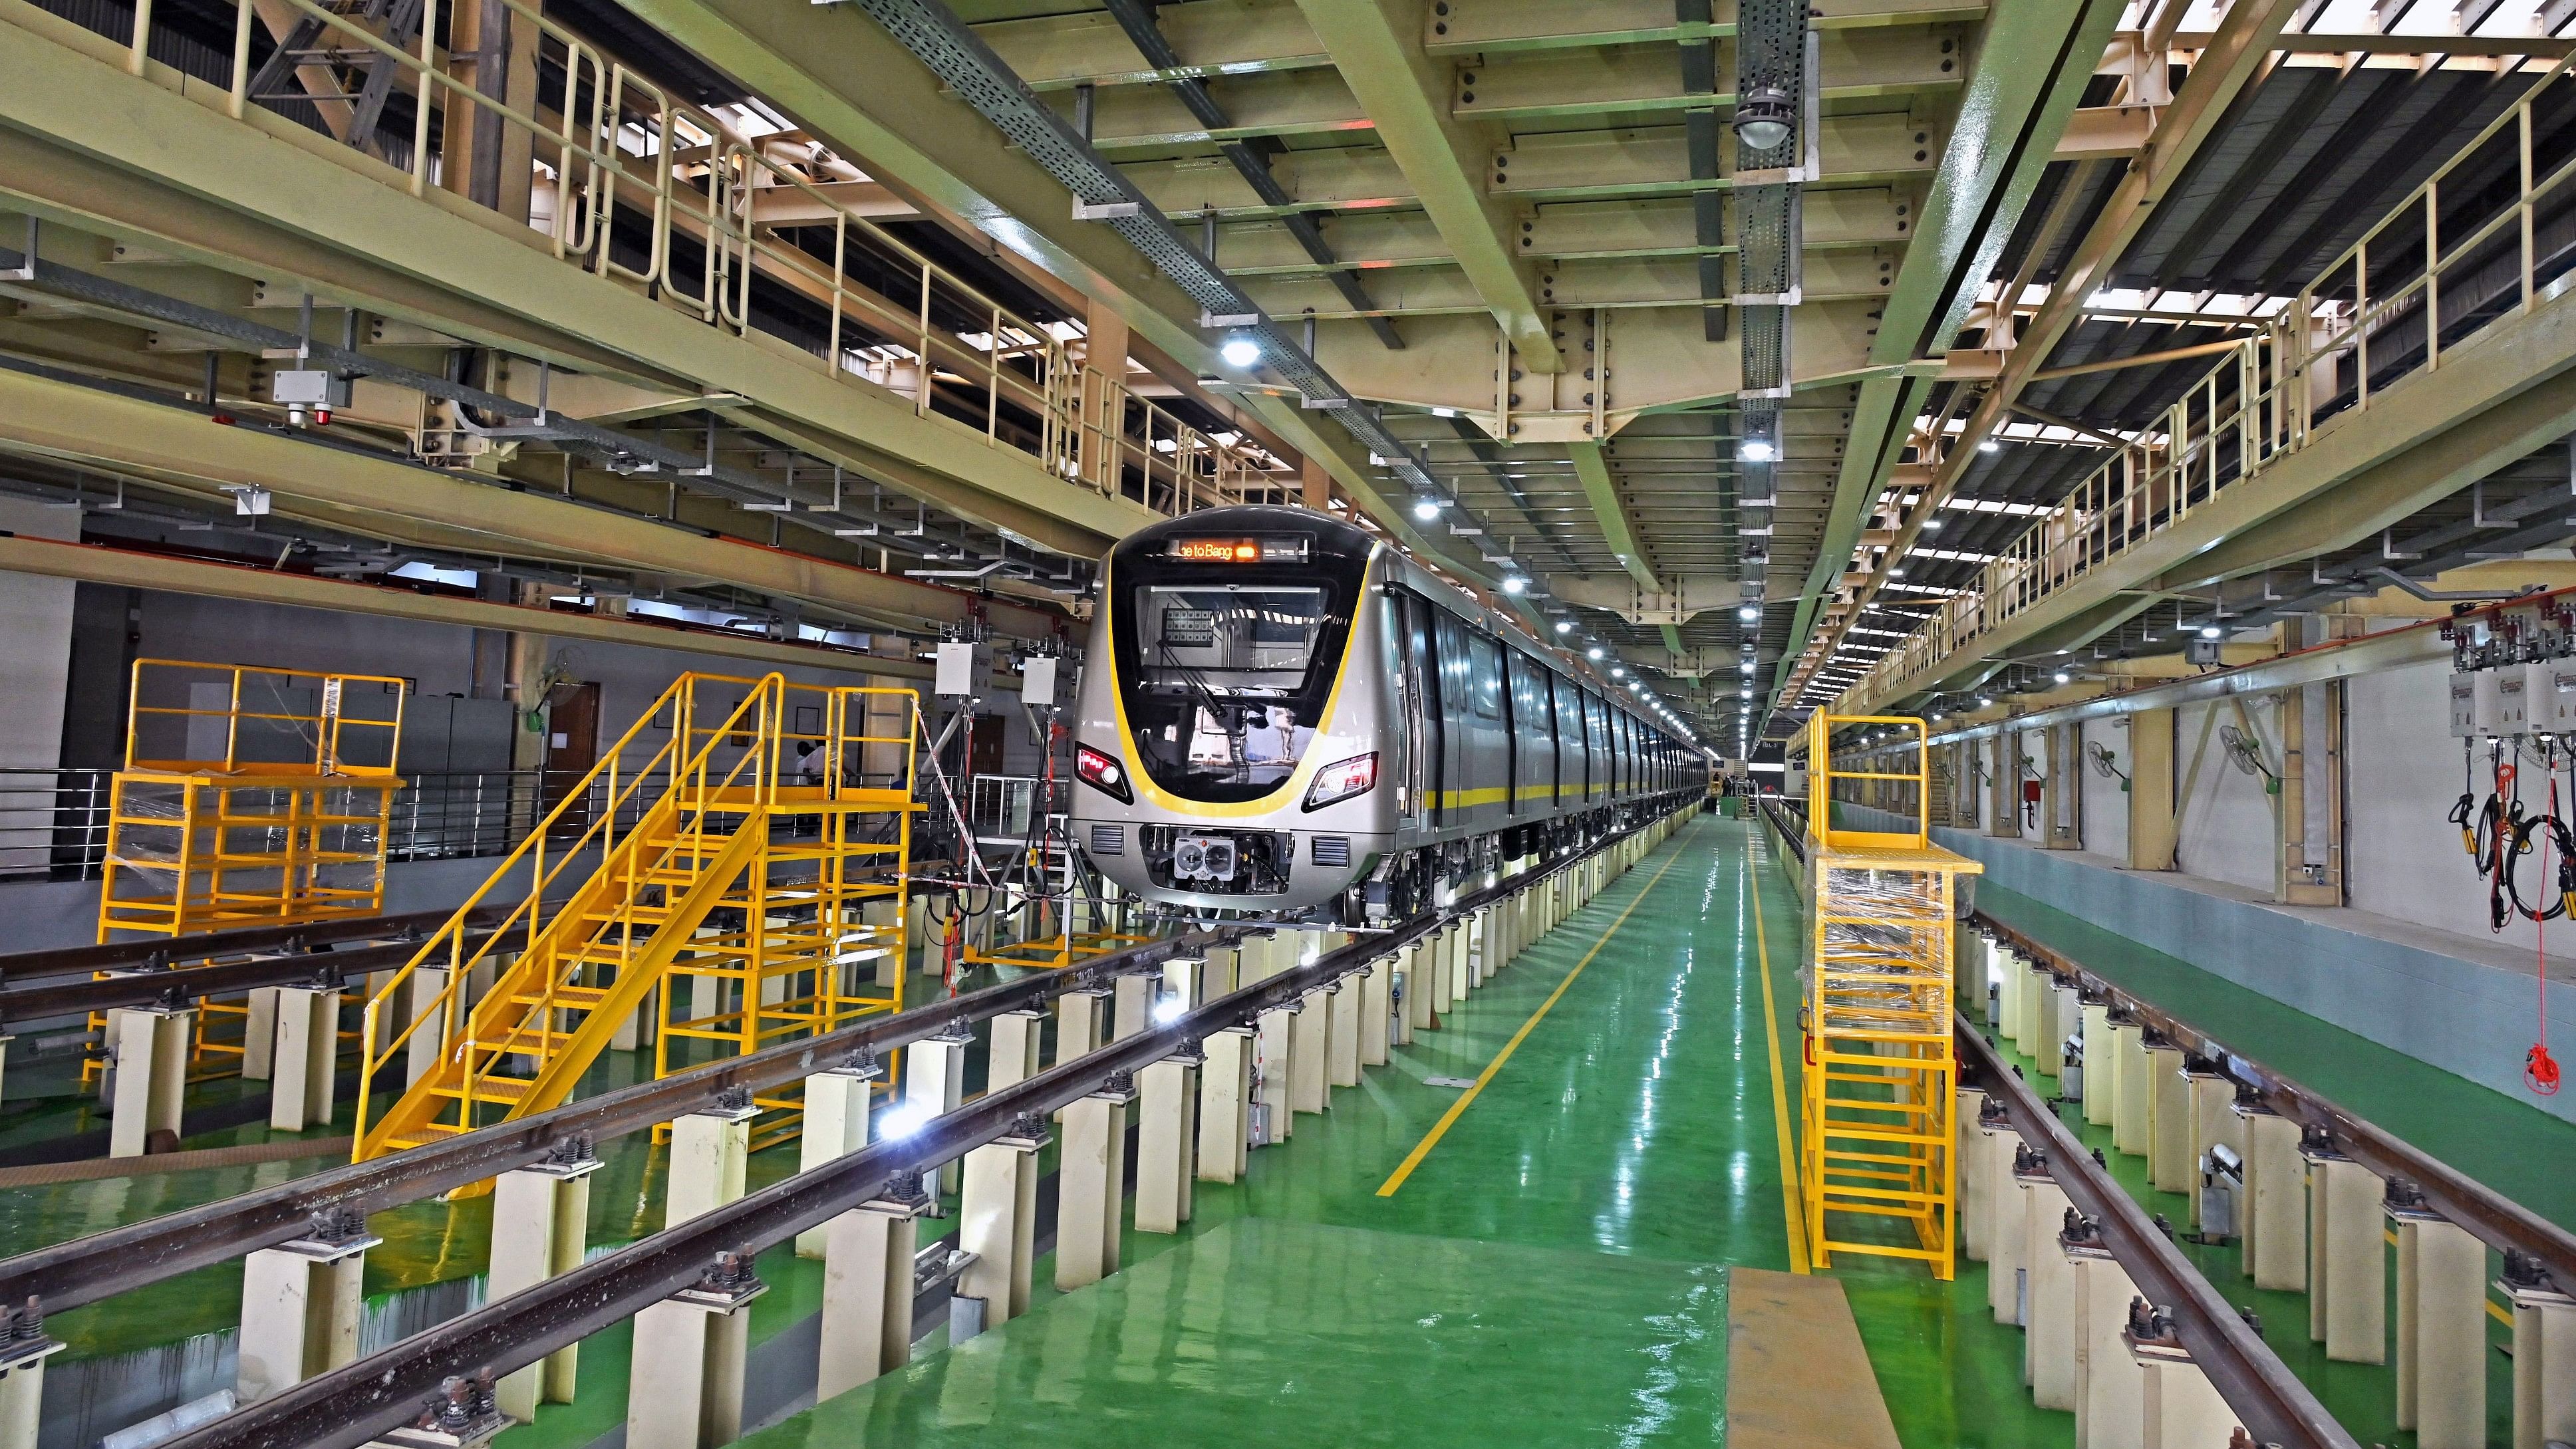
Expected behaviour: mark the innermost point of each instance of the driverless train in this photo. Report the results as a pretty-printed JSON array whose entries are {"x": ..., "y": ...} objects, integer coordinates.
[{"x": 1281, "y": 714}]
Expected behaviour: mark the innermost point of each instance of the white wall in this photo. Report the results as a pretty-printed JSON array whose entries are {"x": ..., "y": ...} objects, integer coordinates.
[
  {"x": 2106, "y": 805},
  {"x": 35, "y": 657},
  {"x": 2226, "y": 813}
]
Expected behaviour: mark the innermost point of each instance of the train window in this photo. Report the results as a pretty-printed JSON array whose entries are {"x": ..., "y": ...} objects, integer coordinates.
[{"x": 1489, "y": 676}]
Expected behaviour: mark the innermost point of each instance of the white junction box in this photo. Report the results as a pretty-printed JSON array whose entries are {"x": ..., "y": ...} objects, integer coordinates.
[
  {"x": 2500, "y": 701},
  {"x": 2464, "y": 705},
  {"x": 2549, "y": 696},
  {"x": 961, "y": 669},
  {"x": 1037, "y": 680}
]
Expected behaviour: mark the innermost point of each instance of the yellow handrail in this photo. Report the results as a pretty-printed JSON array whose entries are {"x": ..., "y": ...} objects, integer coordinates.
[{"x": 680, "y": 698}]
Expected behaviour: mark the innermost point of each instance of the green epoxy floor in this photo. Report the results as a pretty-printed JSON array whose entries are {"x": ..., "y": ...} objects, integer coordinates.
[{"x": 1551, "y": 1271}]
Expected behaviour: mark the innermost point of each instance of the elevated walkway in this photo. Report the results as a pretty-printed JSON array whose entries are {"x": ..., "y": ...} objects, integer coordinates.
[
  {"x": 2438, "y": 349},
  {"x": 704, "y": 866}
]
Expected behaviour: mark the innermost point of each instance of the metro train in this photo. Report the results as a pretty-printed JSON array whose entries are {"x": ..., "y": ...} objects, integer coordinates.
[{"x": 1283, "y": 715}]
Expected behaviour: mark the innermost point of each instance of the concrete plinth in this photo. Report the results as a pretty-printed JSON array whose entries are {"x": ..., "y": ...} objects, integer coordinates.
[
  {"x": 997, "y": 1222},
  {"x": 2048, "y": 1348},
  {"x": 2441, "y": 1332},
  {"x": 1376, "y": 986},
  {"x": 428, "y": 1020},
  {"x": 1225, "y": 1105},
  {"x": 1166, "y": 1142},
  {"x": 2180, "y": 1409},
  {"x": 2347, "y": 1266},
  {"x": 540, "y": 1228},
  {"x": 1976, "y": 1210},
  {"x": 2008, "y": 1231},
  {"x": 1183, "y": 980},
  {"x": 1310, "y": 1049},
  {"x": 1342, "y": 1049},
  {"x": 1133, "y": 1008},
  {"x": 710, "y": 1154},
  {"x": 2109, "y": 1386},
  {"x": 934, "y": 1082},
  {"x": 301, "y": 1309},
  {"x": 867, "y": 1294},
  {"x": 836, "y": 1125},
  {"x": 1014, "y": 1056},
  {"x": 2171, "y": 1165},
  {"x": 2132, "y": 1095},
  {"x": 687, "y": 1380},
  {"x": 300, "y": 1072},
  {"x": 2544, "y": 1365},
  {"x": 2275, "y": 1213},
  {"x": 2101, "y": 1088},
  {"x": 1081, "y": 1018},
  {"x": 1273, "y": 1062},
  {"x": 22, "y": 1388},
  {"x": 1091, "y": 1174},
  {"x": 259, "y": 1034},
  {"x": 151, "y": 1071}
]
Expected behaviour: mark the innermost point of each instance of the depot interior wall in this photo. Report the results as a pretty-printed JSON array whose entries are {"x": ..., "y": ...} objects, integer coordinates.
[
  {"x": 2105, "y": 813},
  {"x": 2406, "y": 859},
  {"x": 2226, "y": 811},
  {"x": 35, "y": 652}
]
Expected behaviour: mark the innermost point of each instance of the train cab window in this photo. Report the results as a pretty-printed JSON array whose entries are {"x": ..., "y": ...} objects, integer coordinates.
[{"x": 1224, "y": 668}]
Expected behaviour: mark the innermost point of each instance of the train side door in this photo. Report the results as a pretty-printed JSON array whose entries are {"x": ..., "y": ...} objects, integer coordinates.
[{"x": 1422, "y": 710}]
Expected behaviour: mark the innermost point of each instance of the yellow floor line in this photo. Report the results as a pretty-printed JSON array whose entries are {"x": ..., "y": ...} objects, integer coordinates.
[
  {"x": 1792, "y": 1215},
  {"x": 1431, "y": 1139}
]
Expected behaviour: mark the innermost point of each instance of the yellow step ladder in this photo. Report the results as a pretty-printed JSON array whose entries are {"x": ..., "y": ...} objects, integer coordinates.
[
  {"x": 732, "y": 854},
  {"x": 1878, "y": 1170}
]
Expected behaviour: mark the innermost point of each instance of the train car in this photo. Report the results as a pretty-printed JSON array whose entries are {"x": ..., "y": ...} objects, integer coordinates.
[{"x": 1282, "y": 714}]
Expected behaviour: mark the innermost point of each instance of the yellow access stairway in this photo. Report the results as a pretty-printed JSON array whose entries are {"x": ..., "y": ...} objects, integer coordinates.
[
  {"x": 720, "y": 858},
  {"x": 1877, "y": 1172}
]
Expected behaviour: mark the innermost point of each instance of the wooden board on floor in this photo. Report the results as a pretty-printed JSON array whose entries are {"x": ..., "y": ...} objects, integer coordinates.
[{"x": 1796, "y": 1374}]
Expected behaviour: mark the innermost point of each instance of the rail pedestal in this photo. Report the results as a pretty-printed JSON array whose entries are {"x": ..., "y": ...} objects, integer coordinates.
[
  {"x": 836, "y": 1125},
  {"x": 2181, "y": 1410},
  {"x": 2048, "y": 1347},
  {"x": 2170, "y": 1163},
  {"x": 1091, "y": 1176},
  {"x": 934, "y": 1082},
  {"x": 151, "y": 1046},
  {"x": 866, "y": 1327},
  {"x": 1080, "y": 1017},
  {"x": 1342, "y": 1056},
  {"x": 22, "y": 1384},
  {"x": 2544, "y": 1363},
  {"x": 302, "y": 1064},
  {"x": 1375, "y": 1011},
  {"x": 1225, "y": 1104},
  {"x": 691, "y": 1351},
  {"x": 1014, "y": 1057},
  {"x": 1310, "y": 1050},
  {"x": 2348, "y": 1277},
  {"x": 997, "y": 1222},
  {"x": 540, "y": 1228},
  {"x": 301, "y": 1309},
  {"x": 2101, "y": 1088},
  {"x": 2441, "y": 1331},
  {"x": 2275, "y": 1220},
  {"x": 1271, "y": 1068},
  {"x": 710, "y": 1159},
  {"x": 1166, "y": 1138},
  {"x": 2109, "y": 1385},
  {"x": 1976, "y": 1197}
]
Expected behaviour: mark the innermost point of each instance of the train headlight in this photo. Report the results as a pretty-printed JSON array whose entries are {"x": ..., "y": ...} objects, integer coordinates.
[
  {"x": 1102, "y": 774},
  {"x": 1342, "y": 780}
]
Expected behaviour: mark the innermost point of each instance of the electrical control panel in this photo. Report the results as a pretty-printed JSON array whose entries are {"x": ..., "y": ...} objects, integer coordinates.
[
  {"x": 961, "y": 669},
  {"x": 2501, "y": 701},
  {"x": 2549, "y": 696},
  {"x": 1037, "y": 681},
  {"x": 2464, "y": 705}
]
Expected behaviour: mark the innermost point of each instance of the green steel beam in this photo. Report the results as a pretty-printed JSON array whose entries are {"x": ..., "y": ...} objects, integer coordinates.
[
  {"x": 1610, "y": 510},
  {"x": 2033, "y": 63},
  {"x": 1377, "y": 45}
]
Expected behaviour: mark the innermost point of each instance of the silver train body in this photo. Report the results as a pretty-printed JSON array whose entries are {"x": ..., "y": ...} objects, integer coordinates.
[{"x": 1281, "y": 714}]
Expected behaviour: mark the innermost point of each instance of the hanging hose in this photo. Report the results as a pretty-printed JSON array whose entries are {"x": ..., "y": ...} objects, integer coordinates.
[{"x": 2539, "y": 1068}]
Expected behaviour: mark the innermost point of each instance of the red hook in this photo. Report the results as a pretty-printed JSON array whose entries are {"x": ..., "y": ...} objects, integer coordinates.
[{"x": 2540, "y": 1071}]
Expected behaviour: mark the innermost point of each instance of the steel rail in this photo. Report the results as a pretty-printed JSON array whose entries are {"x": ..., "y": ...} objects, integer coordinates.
[
  {"x": 351, "y": 1405},
  {"x": 85, "y": 1270},
  {"x": 174, "y": 985},
  {"x": 2268, "y": 1399},
  {"x": 2496, "y": 1220},
  {"x": 161, "y": 954}
]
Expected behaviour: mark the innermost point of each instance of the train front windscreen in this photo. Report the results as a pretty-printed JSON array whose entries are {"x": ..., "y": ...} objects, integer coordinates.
[{"x": 1227, "y": 649}]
